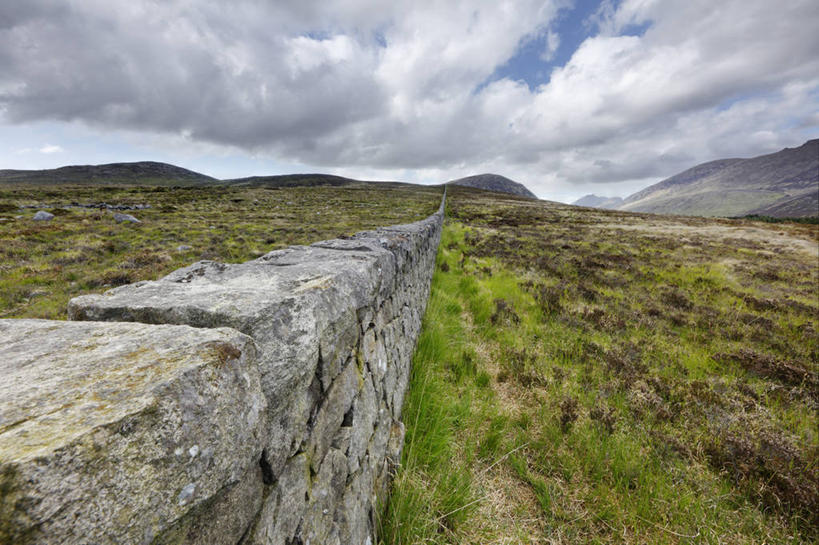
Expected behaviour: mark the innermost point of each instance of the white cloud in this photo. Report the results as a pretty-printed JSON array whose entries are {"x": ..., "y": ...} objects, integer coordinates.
[
  {"x": 396, "y": 88},
  {"x": 51, "y": 148},
  {"x": 552, "y": 43}
]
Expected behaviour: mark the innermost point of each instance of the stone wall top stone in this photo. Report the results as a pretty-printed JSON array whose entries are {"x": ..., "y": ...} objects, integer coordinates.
[{"x": 111, "y": 431}]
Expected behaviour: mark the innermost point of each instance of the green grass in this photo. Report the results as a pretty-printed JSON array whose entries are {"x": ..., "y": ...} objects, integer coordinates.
[
  {"x": 611, "y": 378},
  {"x": 44, "y": 264},
  {"x": 434, "y": 410}
]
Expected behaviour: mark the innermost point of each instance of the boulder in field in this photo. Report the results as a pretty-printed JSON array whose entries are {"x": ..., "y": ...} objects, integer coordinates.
[
  {"x": 42, "y": 215},
  {"x": 119, "y": 218}
]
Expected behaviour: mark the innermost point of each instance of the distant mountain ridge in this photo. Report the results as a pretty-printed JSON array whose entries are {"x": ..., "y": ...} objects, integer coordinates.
[
  {"x": 781, "y": 184},
  {"x": 117, "y": 173},
  {"x": 494, "y": 182},
  {"x": 595, "y": 201},
  {"x": 155, "y": 173},
  {"x": 785, "y": 183},
  {"x": 291, "y": 180}
]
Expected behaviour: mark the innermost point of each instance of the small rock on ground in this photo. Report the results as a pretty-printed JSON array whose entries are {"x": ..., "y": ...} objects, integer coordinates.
[
  {"x": 119, "y": 218},
  {"x": 42, "y": 215}
]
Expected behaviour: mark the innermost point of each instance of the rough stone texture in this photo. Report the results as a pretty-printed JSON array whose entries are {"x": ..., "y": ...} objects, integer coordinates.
[
  {"x": 229, "y": 514},
  {"x": 334, "y": 325},
  {"x": 117, "y": 433}
]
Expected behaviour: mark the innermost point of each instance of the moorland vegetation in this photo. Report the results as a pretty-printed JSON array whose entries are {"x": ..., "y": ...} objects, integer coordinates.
[
  {"x": 84, "y": 250},
  {"x": 593, "y": 376},
  {"x": 583, "y": 376}
]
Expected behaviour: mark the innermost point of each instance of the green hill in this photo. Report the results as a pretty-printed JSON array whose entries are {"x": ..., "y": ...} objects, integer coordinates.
[
  {"x": 142, "y": 172},
  {"x": 494, "y": 182}
]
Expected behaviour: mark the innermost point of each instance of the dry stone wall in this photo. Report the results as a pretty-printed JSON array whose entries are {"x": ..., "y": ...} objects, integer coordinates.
[{"x": 279, "y": 423}]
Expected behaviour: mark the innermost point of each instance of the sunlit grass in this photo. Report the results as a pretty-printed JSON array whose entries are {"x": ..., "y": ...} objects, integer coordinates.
[
  {"x": 44, "y": 264},
  {"x": 641, "y": 390}
]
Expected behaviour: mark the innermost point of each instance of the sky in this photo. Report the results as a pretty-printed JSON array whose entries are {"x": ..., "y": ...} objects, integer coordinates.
[{"x": 567, "y": 97}]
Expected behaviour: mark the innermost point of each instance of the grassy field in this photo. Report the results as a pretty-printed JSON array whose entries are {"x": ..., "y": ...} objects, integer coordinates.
[
  {"x": 583, "y": 376},
  {"x": 591, "y": 376},
  {"x": 83, "y": 250}
]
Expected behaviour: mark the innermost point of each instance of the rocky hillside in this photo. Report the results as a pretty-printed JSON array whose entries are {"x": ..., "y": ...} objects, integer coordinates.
[
  {"x": 143, "y": 172},
  {"x": 595, "y": 201},
  {"x": 494, "y": 182},
  {"x": 782, "y": 184}
]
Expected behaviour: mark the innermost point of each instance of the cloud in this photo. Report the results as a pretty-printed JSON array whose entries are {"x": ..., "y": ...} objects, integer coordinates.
[
  {"x": 552, "y": 43},
  {"x": 399, "y": 88},
  {"x": 50, "y": 148}
]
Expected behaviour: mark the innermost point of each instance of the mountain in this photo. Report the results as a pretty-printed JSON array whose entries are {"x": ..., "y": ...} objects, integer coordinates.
[
  {"x": 494, "y": 182},
  {"x": 312, "y": 180},
  {"x": 781, "y": 184},
  {"x": 594, "y": 201},
  {"x": 153, "y": 173},
  {"x": 292, "y": 180},
  {"x": 143, "y": 172}
]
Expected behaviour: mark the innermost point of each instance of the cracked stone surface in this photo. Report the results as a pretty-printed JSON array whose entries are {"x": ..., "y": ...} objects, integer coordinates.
[{"x": 111, "y": 432}]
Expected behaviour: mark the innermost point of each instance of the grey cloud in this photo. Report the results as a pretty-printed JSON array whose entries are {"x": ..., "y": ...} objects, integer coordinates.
[
  {"x": 388, "y": 85},
  {"x": 16, "y": 12},
  {"x": 175, "y": 75}
]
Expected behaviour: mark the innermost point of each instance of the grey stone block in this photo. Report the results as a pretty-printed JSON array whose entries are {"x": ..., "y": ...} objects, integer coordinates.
[{"x": 110, "y": 433}]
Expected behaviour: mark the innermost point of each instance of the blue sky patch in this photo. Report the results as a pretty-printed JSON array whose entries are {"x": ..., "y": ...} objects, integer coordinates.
[{"x": 572, "y": 26}]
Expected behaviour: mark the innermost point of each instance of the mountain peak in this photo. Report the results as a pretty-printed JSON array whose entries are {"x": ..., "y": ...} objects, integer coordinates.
[{"x": 494, "y": 182}]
